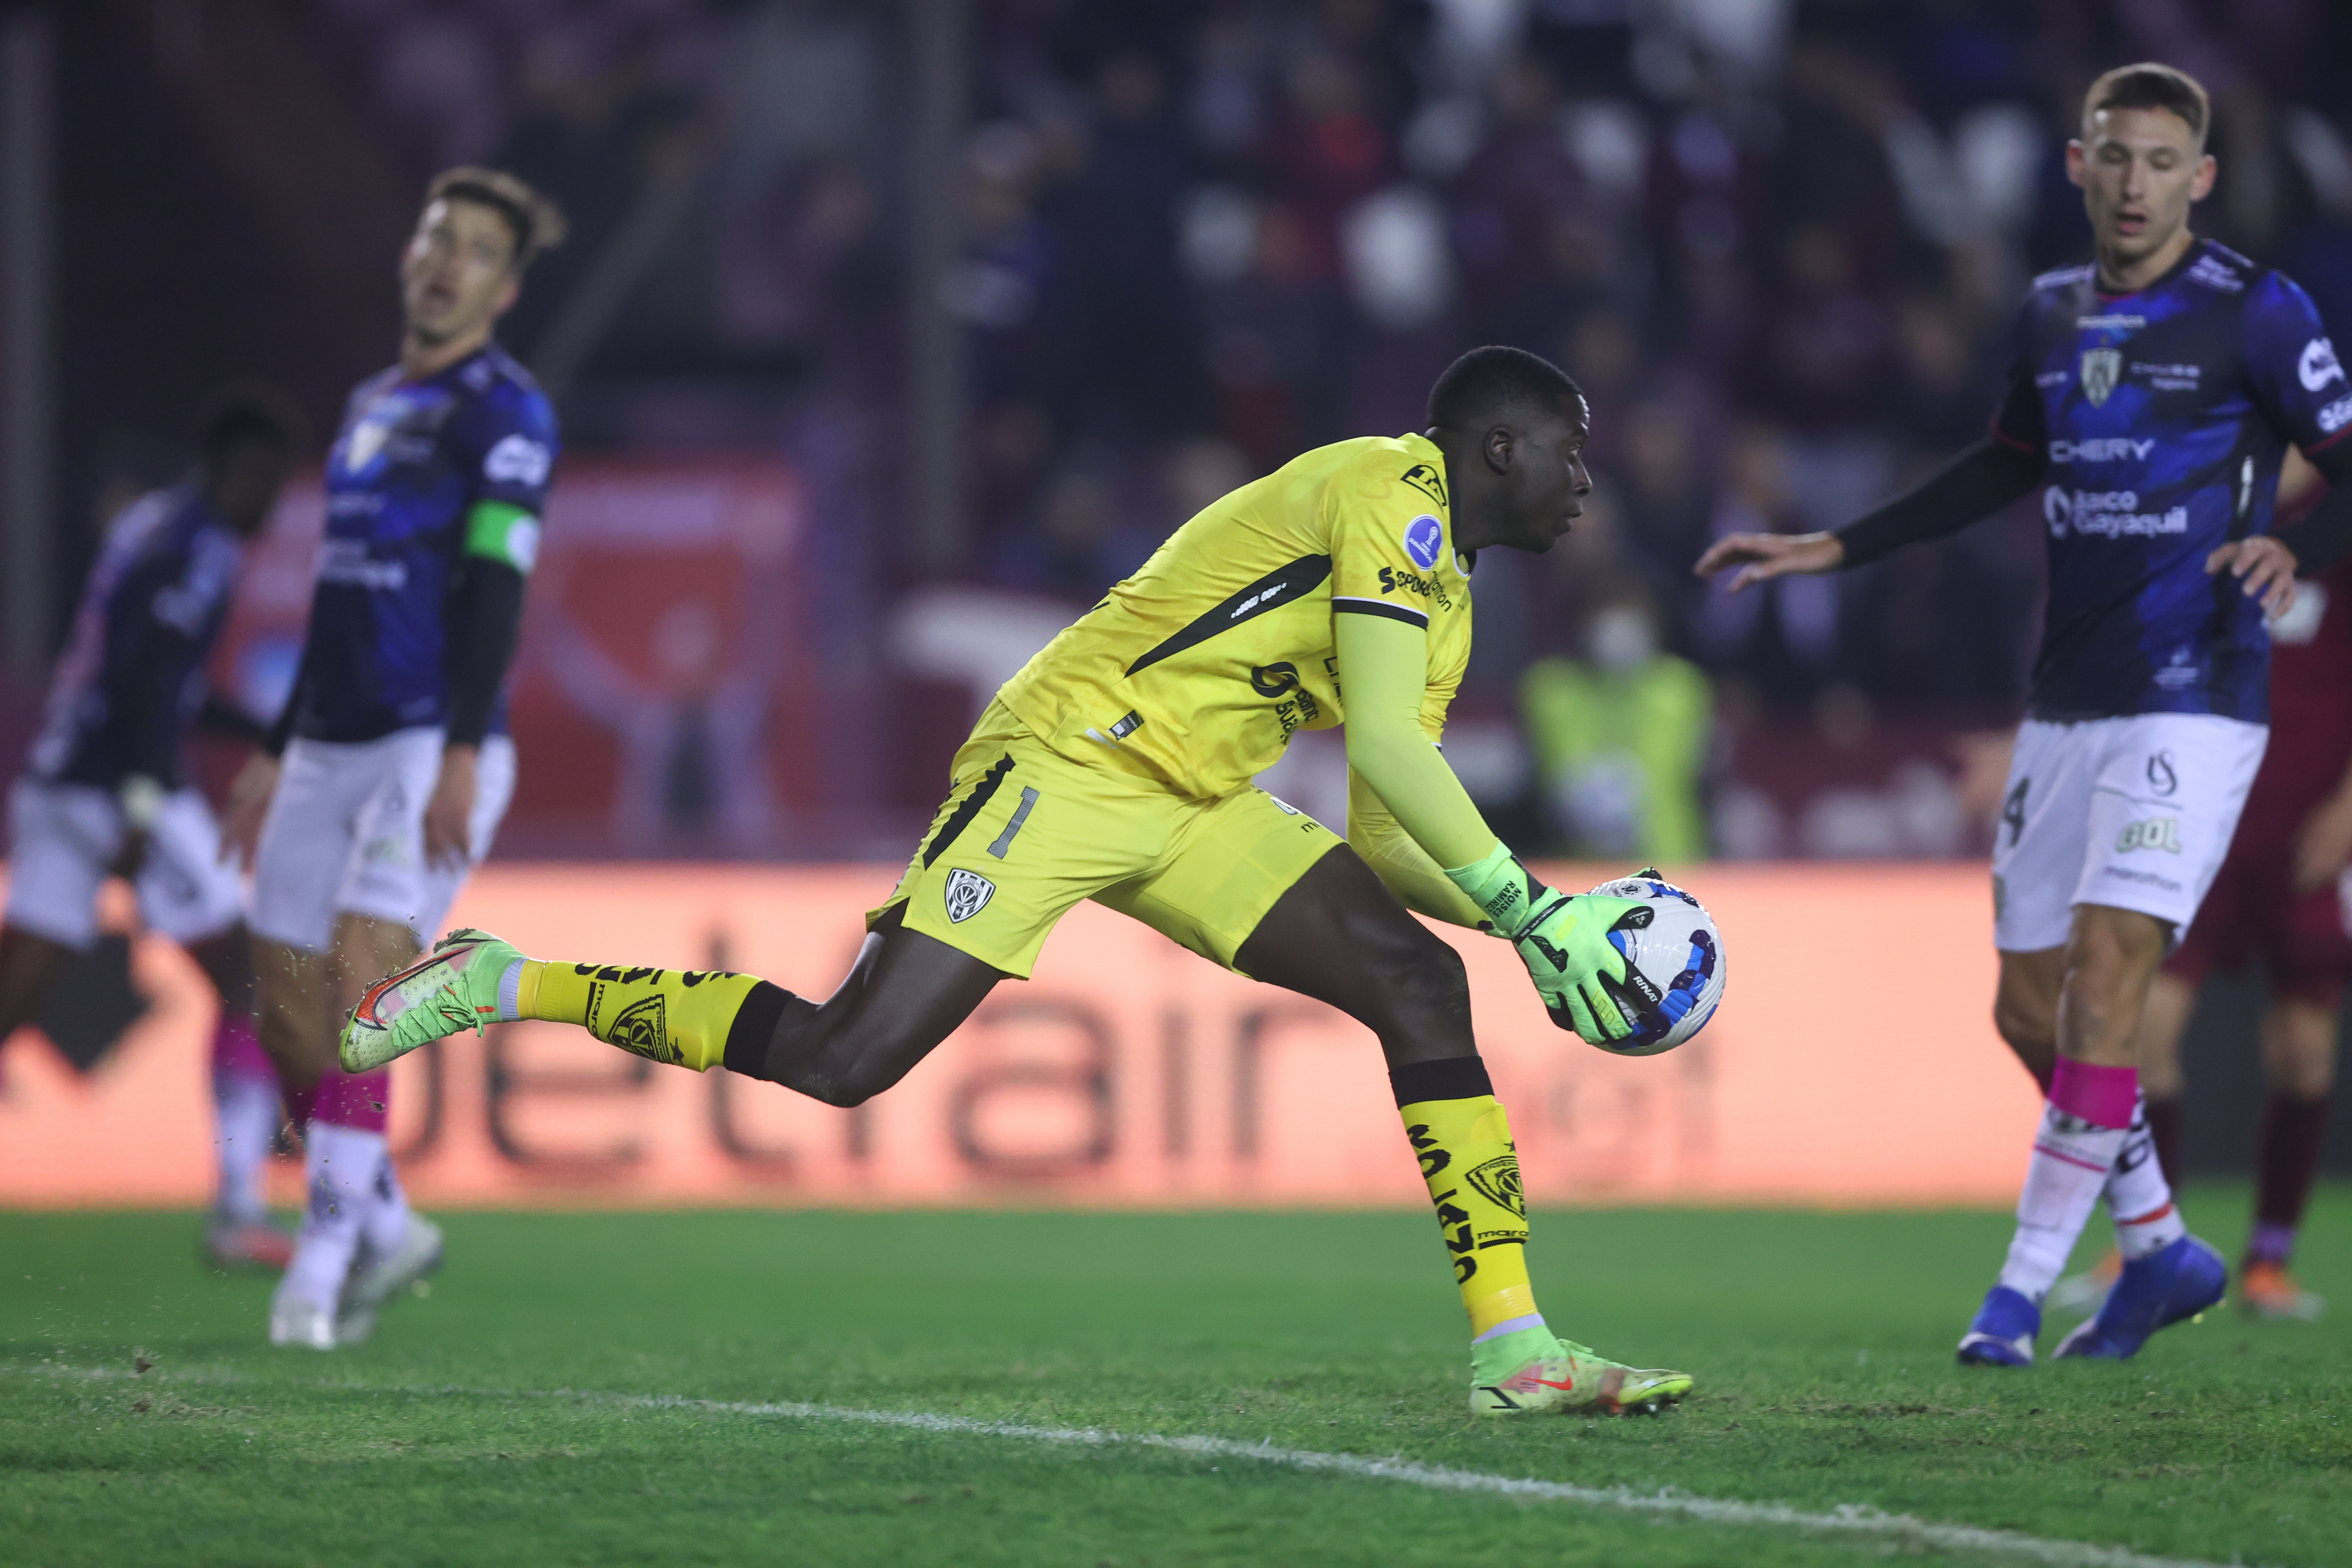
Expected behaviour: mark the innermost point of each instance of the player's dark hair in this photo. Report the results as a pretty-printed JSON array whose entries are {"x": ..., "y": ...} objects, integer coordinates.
[
  {"x": 238, "y": 412},
  {"x": 536, "y": 222},
  {"x": 2148, "y": 85},
  {"x": 1486, "y": 382}
]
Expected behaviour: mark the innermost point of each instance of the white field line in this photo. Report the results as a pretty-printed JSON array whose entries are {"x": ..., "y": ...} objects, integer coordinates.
[{"x": 1847, "y": 1519}]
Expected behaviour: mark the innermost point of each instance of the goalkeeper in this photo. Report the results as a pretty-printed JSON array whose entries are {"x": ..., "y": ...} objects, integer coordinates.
[{"x": 1117, "y": 766}]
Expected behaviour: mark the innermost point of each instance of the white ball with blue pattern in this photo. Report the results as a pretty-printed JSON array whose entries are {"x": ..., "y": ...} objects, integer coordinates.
[{"x": 1673, "y": 965}]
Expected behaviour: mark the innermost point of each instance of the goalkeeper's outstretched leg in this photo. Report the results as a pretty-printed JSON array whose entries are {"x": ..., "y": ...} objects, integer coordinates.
[{"x": 1334, "y": 934}]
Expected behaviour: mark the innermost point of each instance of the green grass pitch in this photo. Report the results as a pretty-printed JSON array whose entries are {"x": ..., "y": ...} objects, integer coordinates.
[{"x": 1823, "y": 1344}]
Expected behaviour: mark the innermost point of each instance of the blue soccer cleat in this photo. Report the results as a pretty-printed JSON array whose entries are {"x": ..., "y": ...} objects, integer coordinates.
[
  {"x": 2152, "y": 1292},
  {"x": 2002, "y": 1335}
]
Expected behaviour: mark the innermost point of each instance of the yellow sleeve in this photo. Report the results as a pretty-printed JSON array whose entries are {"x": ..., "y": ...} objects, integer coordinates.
[
  {"x": 1404, "y": 866},
  {"x": 1384, "y": 675}
]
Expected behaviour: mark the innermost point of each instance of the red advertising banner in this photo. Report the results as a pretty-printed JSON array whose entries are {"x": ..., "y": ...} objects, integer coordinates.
[
  {"x": 664, "y": 656},
  {"x": 1128, "y": 1072}
]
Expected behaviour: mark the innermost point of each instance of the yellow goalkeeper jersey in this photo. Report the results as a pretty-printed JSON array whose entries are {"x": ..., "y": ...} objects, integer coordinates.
[{"x": 1195, "y": 671}]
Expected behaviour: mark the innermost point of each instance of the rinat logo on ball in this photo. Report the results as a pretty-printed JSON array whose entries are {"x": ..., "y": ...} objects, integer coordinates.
[
  {"x": 1425, "y": 538},
  {"x": 968, "y": 893}
]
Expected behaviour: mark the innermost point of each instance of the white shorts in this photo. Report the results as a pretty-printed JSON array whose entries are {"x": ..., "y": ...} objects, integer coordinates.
[
  {"x": 2134, "y": 814},
  {"x": 64, "y": 837},
  {"x": 345, "y": 835}
]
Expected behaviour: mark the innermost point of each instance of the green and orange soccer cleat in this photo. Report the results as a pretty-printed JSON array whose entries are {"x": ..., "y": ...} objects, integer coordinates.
[
  {"x": 448, "y": 991},
  {"x": 1534, "y": 1371}
]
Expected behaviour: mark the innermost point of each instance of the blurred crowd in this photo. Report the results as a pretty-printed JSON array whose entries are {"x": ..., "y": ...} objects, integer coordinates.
[{"x": 1776, "y": 240}]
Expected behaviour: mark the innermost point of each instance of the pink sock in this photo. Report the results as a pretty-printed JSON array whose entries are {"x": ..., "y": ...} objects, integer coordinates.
[
  {"x": 245, "y": 1120},
  {"x": 356, "y": 1099},
  {"x": 237, "y": 1048},
  {"x": 2083, "y": 1130}
]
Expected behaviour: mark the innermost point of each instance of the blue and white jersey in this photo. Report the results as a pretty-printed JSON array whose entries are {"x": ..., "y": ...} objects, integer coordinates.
[
  {"x": 421, "y": 473},
  {"x": 2164, "y": 415},
  {"x": 132, "y": 676}
]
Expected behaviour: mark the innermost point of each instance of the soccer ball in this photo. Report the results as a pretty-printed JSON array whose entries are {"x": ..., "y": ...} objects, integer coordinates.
[{"x": 1673, "y": 965}]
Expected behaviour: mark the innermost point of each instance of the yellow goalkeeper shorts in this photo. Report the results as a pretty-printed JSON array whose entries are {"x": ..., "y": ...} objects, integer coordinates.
[{"x": 1027, "y": 832}]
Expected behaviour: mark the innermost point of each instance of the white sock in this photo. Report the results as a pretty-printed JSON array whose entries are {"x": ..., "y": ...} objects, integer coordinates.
[
  {"x": 341, "y": 1163},
  {"x": 2140, "y": 1199},
  {"x": 2071, "y": 1161},
  {"x": 384, "y": 1225},
  {"x": 244, "y": 1129}
]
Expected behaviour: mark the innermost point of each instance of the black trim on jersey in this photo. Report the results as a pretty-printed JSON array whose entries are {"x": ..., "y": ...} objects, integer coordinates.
[
  {"x": 955, "y": 825},
  {"x": 1352, "y": 606},
  {"x": 1276, "y": 588},
  {"x": 2241, "y": 469}
]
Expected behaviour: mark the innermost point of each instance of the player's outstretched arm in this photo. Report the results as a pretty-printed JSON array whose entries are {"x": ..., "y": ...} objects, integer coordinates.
[
  {"x": 1982, "y": 480},
  {"x": 1562, "y": 939},
  {"x": 1761, "y": 557}
]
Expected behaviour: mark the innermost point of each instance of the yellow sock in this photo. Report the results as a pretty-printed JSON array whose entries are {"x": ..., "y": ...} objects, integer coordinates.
[
  {"x": 1472, "y": 1170},
  {"x": 680, "y": 1017}
]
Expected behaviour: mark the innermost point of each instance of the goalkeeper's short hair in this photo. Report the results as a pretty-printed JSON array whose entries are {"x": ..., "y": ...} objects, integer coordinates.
[{"x": 1487, "y": 383}]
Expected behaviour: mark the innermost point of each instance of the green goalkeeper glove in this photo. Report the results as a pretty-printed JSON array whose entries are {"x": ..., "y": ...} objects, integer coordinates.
[{"x": 1562, "y": 939}]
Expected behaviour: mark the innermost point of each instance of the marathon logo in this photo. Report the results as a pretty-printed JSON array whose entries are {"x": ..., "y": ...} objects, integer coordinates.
[
  {"x": 2100, "y": 449},
  {"x": 2107, "y": 514}
]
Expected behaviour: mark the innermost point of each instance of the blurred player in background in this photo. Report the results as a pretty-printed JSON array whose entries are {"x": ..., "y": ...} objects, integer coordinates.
[
  {"x": 386, "y": 775},
  {"x": 1117, "y": 766},
  {"x": 2151, "y": 399},
  {"x": 102, "y": 793},
  {"x": 2279, "y": 902}
]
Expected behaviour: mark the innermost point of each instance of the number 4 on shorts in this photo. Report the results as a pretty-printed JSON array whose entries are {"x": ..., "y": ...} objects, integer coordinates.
[{"x": 2012, "y": 812}]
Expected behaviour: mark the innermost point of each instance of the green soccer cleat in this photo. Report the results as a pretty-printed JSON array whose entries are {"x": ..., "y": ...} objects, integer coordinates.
[
  {"x": 1549, "y": 1376},
  {"x": 448, "y": 991}
]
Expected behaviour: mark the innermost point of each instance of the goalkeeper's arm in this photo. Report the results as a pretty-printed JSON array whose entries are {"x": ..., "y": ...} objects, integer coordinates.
[
  {"x": 1408, "y": 815},
  {"x": 1384, "y": 669}
]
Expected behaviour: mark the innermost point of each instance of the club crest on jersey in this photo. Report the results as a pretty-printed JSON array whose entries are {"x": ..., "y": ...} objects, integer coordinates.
[
  {"x": 968, "y": 893},
  {"x": 366, "y": 439},
  {"x": 1425, "y": 537},
  {"x": 2102, "y": 368}
]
